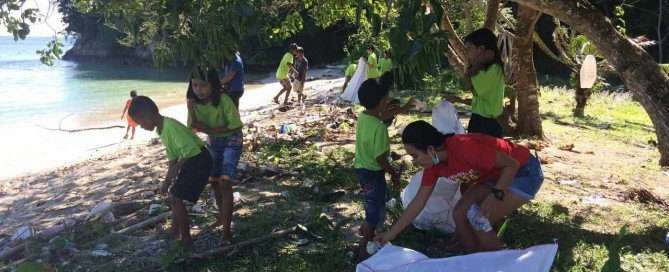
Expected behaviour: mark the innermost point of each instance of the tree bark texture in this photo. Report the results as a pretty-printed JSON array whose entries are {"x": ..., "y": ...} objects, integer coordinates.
[
  {"x": 492, "y": 11},
  {"x": 639, "y": 71},
  {"x": 525, "y": 75}
]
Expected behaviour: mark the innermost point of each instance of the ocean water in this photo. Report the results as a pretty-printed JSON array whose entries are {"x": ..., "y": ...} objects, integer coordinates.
[
  {"x": 69, "y": 95},
  {"x": 31, "y": 92}
]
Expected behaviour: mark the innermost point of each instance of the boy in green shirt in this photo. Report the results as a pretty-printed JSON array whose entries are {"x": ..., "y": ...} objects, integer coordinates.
[
  {"x": 189, "y": 162},
  {"x": 372, "y": 146},
  {"x": 285, "y": 66}
]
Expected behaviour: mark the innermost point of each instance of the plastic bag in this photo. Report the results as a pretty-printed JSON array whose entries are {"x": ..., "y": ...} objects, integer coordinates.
[
  {"x": 438, "y": 211},
  {"x": 351, "y": 92}
]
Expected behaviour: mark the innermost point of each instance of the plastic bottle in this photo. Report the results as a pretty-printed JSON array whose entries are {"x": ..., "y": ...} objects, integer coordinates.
[{"x": 478, "y": 221}]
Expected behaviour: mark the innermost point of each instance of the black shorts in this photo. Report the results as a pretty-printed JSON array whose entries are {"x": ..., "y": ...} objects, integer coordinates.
[
  {"x": 192, "y": 178},
  {"x": 483, "y": 125}
]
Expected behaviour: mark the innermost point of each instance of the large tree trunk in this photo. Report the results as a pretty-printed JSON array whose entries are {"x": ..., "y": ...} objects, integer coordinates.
[
  {"x": 456, "y": 49},
  {"x": 527, "y": 92},
  {"x": 639, "y": 71},
  {"x": 492, "y": 11}
]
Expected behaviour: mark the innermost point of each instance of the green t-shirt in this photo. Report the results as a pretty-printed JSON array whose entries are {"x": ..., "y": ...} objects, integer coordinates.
[
  {"x": 385, "y": 65},
  {"x": 371, "y": 141},
  {"x": 350, "y": 70},
  {"x": 282, "y": 71},
  {"x": 373, "y": 66},
  {"x": 488, "y": 89},
  {"x": 180, "y": 142},
  {"x": 225, "y": 114}
]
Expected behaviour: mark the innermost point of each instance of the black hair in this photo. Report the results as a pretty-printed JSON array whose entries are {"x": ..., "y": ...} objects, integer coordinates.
[
  {"x": 133, "y": 93},
  {"x": 292, "y": 46},
  {"x": 421, "y": 135},
  {"x": 300, "y": 50},
  {"x": 210, "y": 75},
  {"x": 142, "y": 106},
  {"x": 372, "y": 91},
  {"x": 486, "y": 38}
]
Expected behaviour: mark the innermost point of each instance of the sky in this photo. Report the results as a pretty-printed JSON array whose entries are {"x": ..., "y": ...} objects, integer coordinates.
[{"x": 42, "y": 28}]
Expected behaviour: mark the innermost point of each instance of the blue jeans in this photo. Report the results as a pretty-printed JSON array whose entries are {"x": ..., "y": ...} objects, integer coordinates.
[
  {"x": 374, "y": 190},
  {"x": 225, "y": 153},
  {"x": 528, "y": 179}
]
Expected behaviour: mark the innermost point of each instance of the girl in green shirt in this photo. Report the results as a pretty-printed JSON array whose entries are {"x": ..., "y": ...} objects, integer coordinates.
[
  {"x": 214, "y": 114},
  {"x": 485, "y": 77}
]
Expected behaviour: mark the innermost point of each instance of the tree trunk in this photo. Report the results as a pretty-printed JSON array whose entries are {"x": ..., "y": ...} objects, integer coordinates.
[
  {"x": 639, "y": 71},
  {"x": 491, "y": 14},
  {"x": 467, "y": 7},
  {"x": 526, "y": 87},
  {"x": 453, "y": 38},
  {"x": 582, "y": 96}
]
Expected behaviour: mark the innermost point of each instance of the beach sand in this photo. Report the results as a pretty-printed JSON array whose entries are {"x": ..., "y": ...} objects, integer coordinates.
[
  {"x": 32, "y": 149},
  {"x": 115, "y": 170}
]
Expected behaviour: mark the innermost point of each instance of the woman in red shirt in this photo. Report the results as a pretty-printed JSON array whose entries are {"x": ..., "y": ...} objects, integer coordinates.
[{"x": 501, "y": 177}]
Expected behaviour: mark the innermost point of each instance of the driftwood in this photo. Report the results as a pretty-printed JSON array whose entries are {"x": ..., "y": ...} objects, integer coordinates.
[
  {"x": 147, "y": 222},
  {"x": 234, "y": 247},
  {"x": 79, "y": 129}
]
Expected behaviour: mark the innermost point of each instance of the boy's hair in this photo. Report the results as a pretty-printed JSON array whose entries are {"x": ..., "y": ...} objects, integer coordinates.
[
  {"x": 207, "y": 74},
  {"x": 300, "y": 50},
  {"x": 421, "y": 134},
  {"x": 292, "y": 46},
  {"x": 133, "y": 93},
  {"x": 372, "y": 91},
  {"x": 486, "y": 38},
  {"x": 142, "y": 106}
]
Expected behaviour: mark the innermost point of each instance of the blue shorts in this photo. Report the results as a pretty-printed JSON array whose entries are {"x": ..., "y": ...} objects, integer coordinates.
[
  {"x": 528, "y": 179},
  {"x": 225, "y": 153},
  {"x": 374, "y": 190}
]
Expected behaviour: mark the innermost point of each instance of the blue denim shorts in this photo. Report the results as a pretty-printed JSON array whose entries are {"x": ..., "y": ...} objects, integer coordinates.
[
  {"x": 374, "y": 191},
  {"x": 225, "y": 153},
  {"x": 528, "y": 179}
]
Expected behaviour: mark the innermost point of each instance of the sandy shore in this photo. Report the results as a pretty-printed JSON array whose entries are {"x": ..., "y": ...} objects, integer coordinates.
[
  {"x": 36, "y": 150},
  {"x": 113, "y": 171}
]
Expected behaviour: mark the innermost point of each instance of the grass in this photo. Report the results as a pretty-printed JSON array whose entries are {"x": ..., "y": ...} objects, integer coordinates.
[{"x": 615, "y": 153}]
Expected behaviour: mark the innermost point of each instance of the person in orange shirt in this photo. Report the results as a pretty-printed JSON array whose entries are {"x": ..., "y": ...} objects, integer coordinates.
[{"x": 131, "y": 123}]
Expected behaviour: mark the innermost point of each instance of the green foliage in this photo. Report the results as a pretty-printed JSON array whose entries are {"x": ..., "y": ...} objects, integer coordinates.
[
  {"x": 417, "y": 41},
  {"x": 53, "y": 51}
]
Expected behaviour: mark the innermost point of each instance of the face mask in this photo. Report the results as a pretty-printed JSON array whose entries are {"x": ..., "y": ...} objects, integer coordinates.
[{"x": 435, "y": 158}]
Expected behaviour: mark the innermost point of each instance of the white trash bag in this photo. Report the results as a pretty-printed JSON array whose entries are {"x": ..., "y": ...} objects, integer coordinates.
[
  {"x": 438, "y": 211},
  {"x": 398, "y": 259},
  {"x": 445, "y": 119},
  {"x": 360, "y": 75}
]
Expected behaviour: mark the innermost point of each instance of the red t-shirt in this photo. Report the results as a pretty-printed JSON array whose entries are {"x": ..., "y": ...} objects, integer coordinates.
[{"x": 471, "y": 157}]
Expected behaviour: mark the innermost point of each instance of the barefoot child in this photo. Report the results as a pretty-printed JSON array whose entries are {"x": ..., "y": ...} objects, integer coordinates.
[
  {"x": 372, "y": 147},
  {"x": 189, "y": 162},
  {"x": 285, "y": 66},
  {"x": 131, "y": 123},
  {"x": 485, "y": 77},
  {"x": 215, "y": 114},
  {"x": 301, "y": 67}
]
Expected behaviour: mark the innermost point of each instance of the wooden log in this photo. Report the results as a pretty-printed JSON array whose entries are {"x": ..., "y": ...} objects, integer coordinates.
[
  {"x": 219, "y": 250},
  {"x": 147, "y": 222}
]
